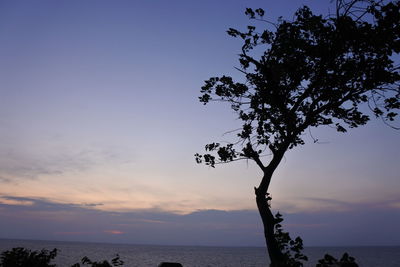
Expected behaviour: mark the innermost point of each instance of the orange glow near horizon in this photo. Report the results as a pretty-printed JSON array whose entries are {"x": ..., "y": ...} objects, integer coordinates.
[{"x": 114, "y": 232}]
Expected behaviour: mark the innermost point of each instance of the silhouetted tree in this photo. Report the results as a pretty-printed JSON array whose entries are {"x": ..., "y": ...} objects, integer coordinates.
[{"x": 304, "y": 73}]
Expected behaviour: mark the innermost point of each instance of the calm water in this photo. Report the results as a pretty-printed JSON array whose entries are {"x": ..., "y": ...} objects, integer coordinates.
[{"x": 143, "y": 256}]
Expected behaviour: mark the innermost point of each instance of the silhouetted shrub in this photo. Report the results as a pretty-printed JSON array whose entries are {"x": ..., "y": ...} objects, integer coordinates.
[
  {"x": 22, "y": 257},
  {"x": 345, "y": 261},
  {"x": 86, "y": 261}
]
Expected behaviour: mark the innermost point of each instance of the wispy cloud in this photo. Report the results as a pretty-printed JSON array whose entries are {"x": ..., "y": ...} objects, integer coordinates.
[
  {"x": 145, "y": 221},
  {"x": 15, "y": 201},
  {"x": 23, "y": 164},
  {"x": 318, "y": 205}
]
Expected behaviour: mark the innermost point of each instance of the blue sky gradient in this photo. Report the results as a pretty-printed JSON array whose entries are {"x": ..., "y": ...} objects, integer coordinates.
[{"x": 100, "y": 120}]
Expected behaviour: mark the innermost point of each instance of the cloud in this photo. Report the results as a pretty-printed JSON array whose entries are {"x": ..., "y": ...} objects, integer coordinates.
[
  {"x": 42, "y": 205},
  {"x": 305, "y": 225},
  {"x": 396, "y": 204},
  {"x": 80, "y": 222},
  {"x": 145, "y": 221},
  {"x": 13, "y": 201},
  {"x": 74, "y": 233},
  {"x": 317, "y": 205},
  {"x": 327, "y": 203},
  {"x": 91, "y": 205},
  {"x": 23, "y": 164},
  {"x": 360, "y": 224}
]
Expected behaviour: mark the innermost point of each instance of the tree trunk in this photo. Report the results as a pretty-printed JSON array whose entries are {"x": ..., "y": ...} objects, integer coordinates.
[
  {"x": 268, "y": 221},
  {"x": 275, "y": 254}
]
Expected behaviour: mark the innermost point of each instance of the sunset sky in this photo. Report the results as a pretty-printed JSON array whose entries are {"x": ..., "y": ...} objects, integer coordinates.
[{"x": 100, "y": 121}]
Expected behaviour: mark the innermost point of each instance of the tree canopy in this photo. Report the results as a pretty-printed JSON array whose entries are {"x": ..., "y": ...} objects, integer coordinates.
[{"x": 313, "y": 71}]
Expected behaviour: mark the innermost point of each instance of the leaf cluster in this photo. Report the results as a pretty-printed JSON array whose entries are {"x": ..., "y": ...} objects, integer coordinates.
[{"x": 291, "y": 249}]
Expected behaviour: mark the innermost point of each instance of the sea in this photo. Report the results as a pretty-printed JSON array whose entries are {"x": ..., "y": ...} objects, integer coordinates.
[{"x": 196, "y": 256}]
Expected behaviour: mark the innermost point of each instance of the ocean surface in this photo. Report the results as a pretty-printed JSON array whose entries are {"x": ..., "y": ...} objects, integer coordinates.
[{"x": 197, "y": 256}]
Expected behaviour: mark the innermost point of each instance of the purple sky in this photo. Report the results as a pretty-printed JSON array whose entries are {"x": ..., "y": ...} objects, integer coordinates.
[{"x": 100, "y": 121}]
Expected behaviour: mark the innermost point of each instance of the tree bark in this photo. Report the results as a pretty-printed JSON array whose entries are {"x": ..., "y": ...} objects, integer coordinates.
[
  {"x": 268, "y": 221},
  {"x": 275, "y": 254}
]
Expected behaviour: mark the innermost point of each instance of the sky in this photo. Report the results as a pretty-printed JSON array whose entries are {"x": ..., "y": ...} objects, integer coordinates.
[{"x": 100, "y": 121}]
